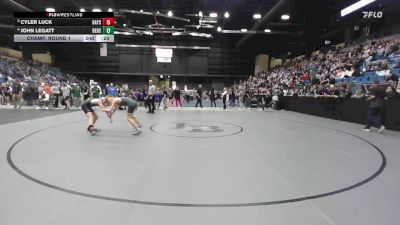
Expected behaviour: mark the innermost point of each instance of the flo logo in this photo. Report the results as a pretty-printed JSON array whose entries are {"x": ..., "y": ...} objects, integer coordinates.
[
  {"x": 198, "y": 128},
  {"x": 372, "y": 14}
]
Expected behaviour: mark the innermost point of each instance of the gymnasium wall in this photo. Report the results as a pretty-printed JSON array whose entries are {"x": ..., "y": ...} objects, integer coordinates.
[
  {"x": 220, "y": 59},
  {"x": 144, "y": 61}
]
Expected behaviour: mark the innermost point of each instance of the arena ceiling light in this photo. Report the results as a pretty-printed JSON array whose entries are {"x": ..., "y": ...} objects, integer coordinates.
[
  {"x": 141, "y": 10},
  {"x": 82, "y": 10},
  {"x": 201, "y": 14},
  {"x": 285, "y": 17},
  {"x": 214, "y": 15},
  {"x": 257, "y": 16},
  {"x": 124, "y": 24},
  {"x": 50, "y": 10},
  {"x": 226, "y": 15},
  {"x": 96, "y": 10},
  {"x": 170, "y": 13},
  {"x": 243, "y": 30},
  {"x": 267, "y": 30},
  {"x": 219, "y": 29},
  {"x": 110, "y": 10},
  {"x": 355, "y": 6}
]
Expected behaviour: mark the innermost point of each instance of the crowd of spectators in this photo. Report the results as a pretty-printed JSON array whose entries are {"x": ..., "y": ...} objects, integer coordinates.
[
  {"x": 335, "y": 71},
  {"x": 32, "y": 80}
]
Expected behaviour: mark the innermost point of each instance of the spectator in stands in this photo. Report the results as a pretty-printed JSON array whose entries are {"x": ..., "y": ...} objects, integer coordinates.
[
  {"x": 316, "y": 79},
  {"x": 333, "y": 91},
  {"x": 325, "y": 79},
  {"x": 323, "y": 90},
  {"x": 345, "y": 91},
  {"x": 305, "y": 77},
  {"x": 356, "y": 71},
  {"x": 17, "y": 94}
]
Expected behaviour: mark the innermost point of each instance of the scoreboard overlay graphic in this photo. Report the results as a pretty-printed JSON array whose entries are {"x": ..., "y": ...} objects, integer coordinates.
[{"x": 64, "y": 27}]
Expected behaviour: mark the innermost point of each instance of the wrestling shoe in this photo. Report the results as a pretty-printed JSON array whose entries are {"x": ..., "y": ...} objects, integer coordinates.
[
  {"x": 137, "y": 132},
  {"x": 381, "y": 129},
  {"x": 94, "y": 131}
]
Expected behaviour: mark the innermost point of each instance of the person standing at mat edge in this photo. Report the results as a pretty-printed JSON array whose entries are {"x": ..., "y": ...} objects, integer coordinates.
[
  {"x": 150, "y": 97},
  {"x": 225, "y": 96},
  {"x": 95, "y": 91},
  {"x": 55, "y": 89},
  {"x": 112, "y": 91},
  {"x": 212, "y": 97},
  {"x": 199, "y": 96},
  {"x": 165, "y": 98},
  {"x": 376, "y": 99},
  {"x": 16, "y": 94}
]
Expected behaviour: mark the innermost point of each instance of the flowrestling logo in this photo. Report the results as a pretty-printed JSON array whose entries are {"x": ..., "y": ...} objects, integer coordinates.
[{"x": 372, "y": 14}]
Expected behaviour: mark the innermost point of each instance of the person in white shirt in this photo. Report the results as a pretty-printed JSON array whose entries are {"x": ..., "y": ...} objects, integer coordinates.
[
  {"x": 150, "y": 97},
  {"x": 55, "y": 89},
  {"x": 225, "y": 96},
  {"x": 66, "y": 93}
]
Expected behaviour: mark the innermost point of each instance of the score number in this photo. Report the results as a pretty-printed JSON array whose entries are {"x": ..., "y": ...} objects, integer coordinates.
[
  {"x": 108, "y": 22},
  {"x": 108, "y": 30}
]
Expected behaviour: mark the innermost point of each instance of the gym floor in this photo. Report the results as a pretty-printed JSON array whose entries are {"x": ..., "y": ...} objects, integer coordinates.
[{"x": 196, "y": 167}]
